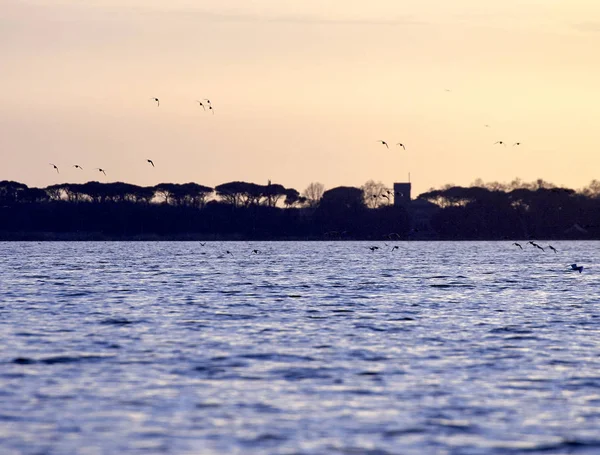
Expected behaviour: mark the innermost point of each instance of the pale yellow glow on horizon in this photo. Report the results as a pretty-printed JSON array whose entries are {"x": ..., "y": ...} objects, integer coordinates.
[{"x": 301, "y": 91}]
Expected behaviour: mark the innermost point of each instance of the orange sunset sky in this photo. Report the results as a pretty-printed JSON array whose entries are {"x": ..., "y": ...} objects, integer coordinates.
[{"x": 301, "y": 91}]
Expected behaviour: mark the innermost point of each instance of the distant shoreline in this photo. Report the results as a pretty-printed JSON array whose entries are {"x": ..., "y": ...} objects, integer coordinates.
[{"x": 100, "y": 237}]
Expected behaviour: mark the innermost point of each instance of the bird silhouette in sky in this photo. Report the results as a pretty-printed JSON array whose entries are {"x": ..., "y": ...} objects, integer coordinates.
[
  {"x": 516, "y": 143},
  {"x": 207, "y": 101},
  {"x": 401, "y": 145},
  {"x": 77, "y": 166},
  {"x": 55, "y": 167},
  {"x": 151, "y": 162},
  {"x": 100, "y": 170},
  {"x": 384, "y": 143},
  {"x": 500, "y": 142},
  {"x": 157, "y": 101},
  {"x": 201, "y": 104}
]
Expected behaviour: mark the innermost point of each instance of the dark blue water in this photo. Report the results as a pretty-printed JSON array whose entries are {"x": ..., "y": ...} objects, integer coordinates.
[{"x": 305, "y": 348}]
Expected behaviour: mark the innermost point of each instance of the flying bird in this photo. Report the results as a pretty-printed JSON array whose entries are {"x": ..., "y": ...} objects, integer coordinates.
[
  {"x": 201, "y": 104},
  {"x": 207, "y": 100},
  {"x": 77, "y": 166},
  {"x": 500, "y": 142},
  {"x": 373, "y": 248},
  {"x": 384, "y": 143},
  {"x": 202, "y": 244},
  {"x": 401, "y": 145},
  {"x": 100, "y": 170},
  {"x": 157, "y": 101},
  {"x": 255, "y": 251},
  {"x": 518, "y": 244},
  {"x": 579, "y": 268},
  {"x": 552, "y": 248},
  {"x": 150, "y": 161},
  {"x": 55, "y": 167},
  {"x": 516, "y": 143},
  {"x": 395, "y": 247}
]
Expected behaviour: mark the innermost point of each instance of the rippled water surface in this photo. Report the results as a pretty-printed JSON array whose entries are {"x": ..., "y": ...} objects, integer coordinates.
[{"x": 304, "y": 348}]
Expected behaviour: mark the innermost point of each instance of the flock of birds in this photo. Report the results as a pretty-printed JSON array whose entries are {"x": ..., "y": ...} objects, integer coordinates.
[
  {"x": 574, "y": 267},
  {"x": 400, "y": 144},
  {"x": 204, "y": 104},
  {"x": 578, "y": 268},
  {"x": 99, "y": 169}
]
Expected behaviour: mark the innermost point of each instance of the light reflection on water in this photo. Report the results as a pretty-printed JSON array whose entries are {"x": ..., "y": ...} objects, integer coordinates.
[{"x": 305, "y": 348}]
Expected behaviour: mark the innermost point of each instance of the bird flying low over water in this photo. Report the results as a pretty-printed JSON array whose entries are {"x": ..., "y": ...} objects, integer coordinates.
[
  {"x": 55, "y": 167},
  {"x": 100, "y": 170},
  {"x": 373, "y": 248},
  {"x": 150, "y": 161},
  {"x": 255, "y": 251},
  {"x": 384, "y": 143},
  {"x": 157, "y": 101},
  {"x": 579, "y": 268},
  {"x": 401, "y": 145},
  {"x": 552, "y": 248},
  {"x": 518, "y": 244},
  {"x": 395, "y": 247},
  {"x": 77, "y": 166}
]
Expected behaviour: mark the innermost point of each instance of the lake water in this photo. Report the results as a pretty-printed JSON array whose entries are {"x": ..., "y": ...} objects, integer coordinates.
[{"x": 304, "y": 348}]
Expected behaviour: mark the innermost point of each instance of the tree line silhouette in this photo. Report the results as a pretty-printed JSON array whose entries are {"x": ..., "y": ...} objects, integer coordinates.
[
  {"x": 517, "y": 210},
  {"x": 242, "y": 210},
  {"x": 233, "y": 210}
]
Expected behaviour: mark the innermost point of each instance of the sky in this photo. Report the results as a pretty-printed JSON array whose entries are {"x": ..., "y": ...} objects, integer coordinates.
[{"x": 301, "y": 91}]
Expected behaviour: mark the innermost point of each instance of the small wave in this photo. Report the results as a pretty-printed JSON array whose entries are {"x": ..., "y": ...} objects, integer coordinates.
[
  {"x": 403, "y": 432},
  {"x": 276, "y": 357},
  {"x": 118, "y": 321},
  {"x": 235, "y": 317},
  {"x": 299, "y": 373},
  {"x": 60, "y": 359}
]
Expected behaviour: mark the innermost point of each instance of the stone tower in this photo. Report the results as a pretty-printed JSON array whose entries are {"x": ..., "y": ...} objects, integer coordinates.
[{"x": 402, "y": 194}]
